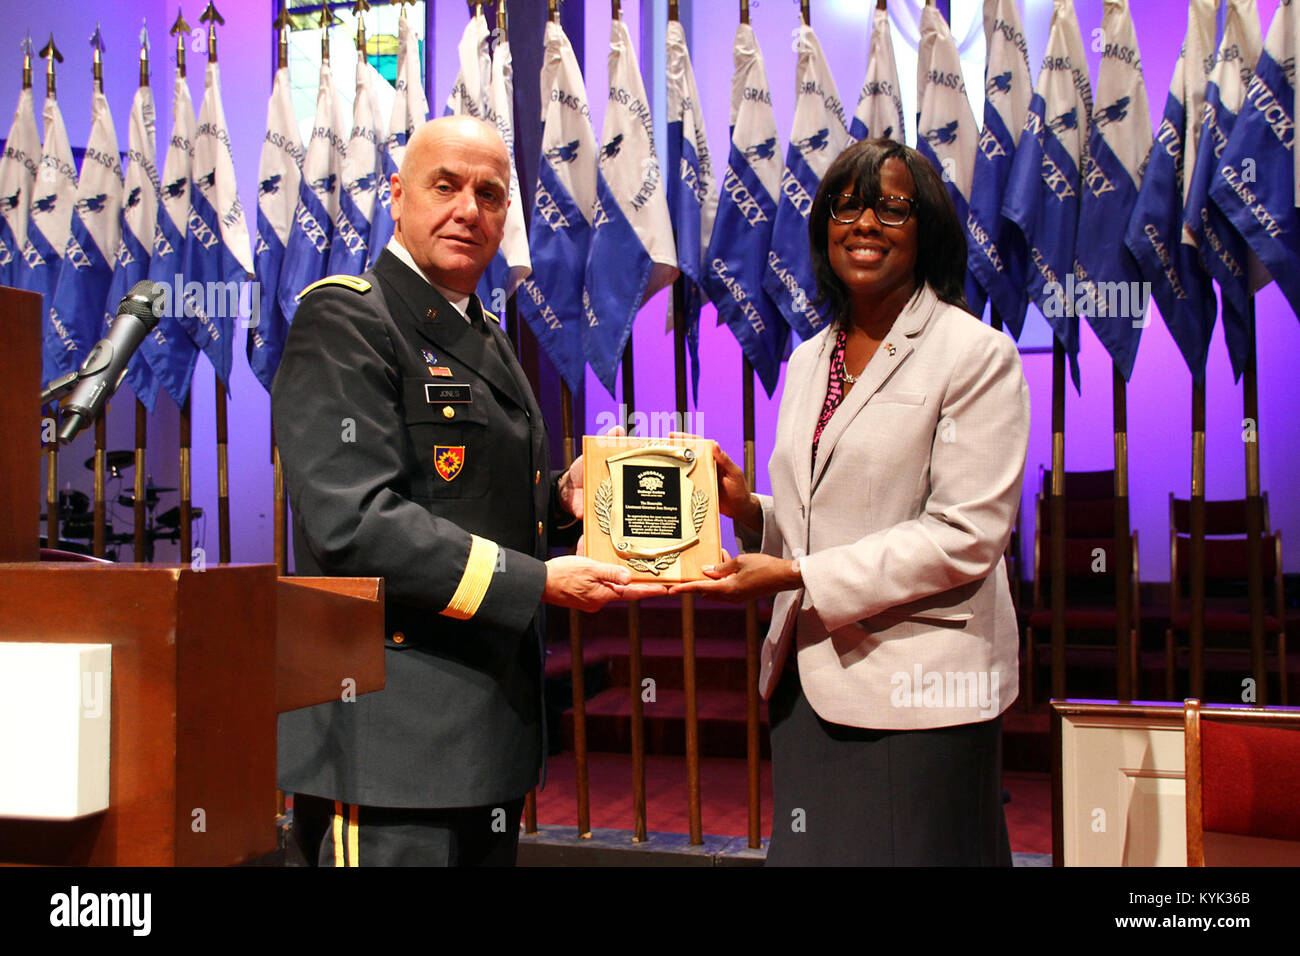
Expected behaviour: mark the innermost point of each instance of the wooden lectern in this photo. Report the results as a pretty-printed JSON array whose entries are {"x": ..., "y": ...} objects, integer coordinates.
[{"x": 202, "y": 661}]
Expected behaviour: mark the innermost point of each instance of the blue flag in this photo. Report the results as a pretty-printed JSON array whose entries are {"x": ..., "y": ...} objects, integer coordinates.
[
  {"x": 279, "y": 174},
  {"x": 48, "y": 228},
  {"x": 946, "y": 134},
  {"x": 1042, "y": 197},
  {"x": 307, "y": 252},
  {"x": 742, "y": 232},
  {"x": 168, "y": 349},
  {"x": 484, "y": 89},
  {"x": 1223, "y": 252},
  {"x": 880, "y": 106},
  {"x": 362, "y": 168},
  {"x": 1255, "y": 186},
  {"x": 78, "y": 302},
  {"x": 560, "y": 234},
  {"x": 630, "y": 224},
  {"x": 1179, "y": 284},
  {"x": 410, "y": 109},
  {"x": 17, "y": 178},
  {"x": 996, "y": 253},
  {"x": 512, "y": 264},
  {"x": 1104, "y": 269},
  {"x": 219, "y": 256},
  {"x": 818, "y": 134},
  {"x": 139, "y": 219},
  {"x": 692, "y": 191}
]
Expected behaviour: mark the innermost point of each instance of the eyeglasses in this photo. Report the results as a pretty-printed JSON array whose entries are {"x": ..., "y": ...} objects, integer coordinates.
[{"x": 847, "y": 208}]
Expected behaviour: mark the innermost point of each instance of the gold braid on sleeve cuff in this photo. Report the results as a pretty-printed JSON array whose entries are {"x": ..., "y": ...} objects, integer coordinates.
[{"x": 473, "y": 586}]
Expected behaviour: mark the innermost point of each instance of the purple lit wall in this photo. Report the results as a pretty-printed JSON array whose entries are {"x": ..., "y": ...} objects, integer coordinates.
[{"x": 1159, "y": 396}]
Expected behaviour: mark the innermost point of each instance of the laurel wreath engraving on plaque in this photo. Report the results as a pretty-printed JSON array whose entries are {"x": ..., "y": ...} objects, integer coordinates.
[
  {"x": 604, "y": 505},
  {"x": 604, "y": 501}
]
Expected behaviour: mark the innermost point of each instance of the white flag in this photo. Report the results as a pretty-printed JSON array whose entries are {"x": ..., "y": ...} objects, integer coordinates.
[
  {"x": 630, "y": 222},
  {"x": 880, "y": 106},
  {"x": 512, "y": 264},
  {"x": 362, "y": 168},
  {"x": 560, "y": 233},
  {"x": 1042, "y": 197},
  {"x": 742, "y": 231},
  {"x": 279, "y": 175},
  {"x": 1223, "y": 251},
  {"x": 692, "y": 189},
  {"x": 306, "y": 257},
  {"x": 996, "y": 256},
  {"x": 96, "y": 228},
  {"x": 220, "y": 252},
  {"x": 1117, "y": 157},
  {"x": 469, "y": 94},
  {"x": 139, "y": 219},
  {"x": 17, "y": 179},
  {"x": 410, "y": 109},
  {"x": 946, "y": 133},
  {"x": 170, "y": 352},
  {"x": 819, "y": 134},
  {"x": 48, "y": 228}
]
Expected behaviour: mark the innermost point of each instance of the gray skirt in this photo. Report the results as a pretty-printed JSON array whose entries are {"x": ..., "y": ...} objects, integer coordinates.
[{"x": 849, "y": 796}]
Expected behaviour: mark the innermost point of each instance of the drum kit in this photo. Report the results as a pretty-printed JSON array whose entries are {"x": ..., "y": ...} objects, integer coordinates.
[{"x": 77, "y": 520}]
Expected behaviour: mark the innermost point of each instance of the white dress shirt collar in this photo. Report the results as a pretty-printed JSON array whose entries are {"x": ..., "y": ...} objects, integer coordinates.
[{"x": 459, "y": 300}]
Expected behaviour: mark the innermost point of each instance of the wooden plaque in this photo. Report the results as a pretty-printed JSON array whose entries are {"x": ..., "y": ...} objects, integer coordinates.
[{"x": 652, "y": 505}]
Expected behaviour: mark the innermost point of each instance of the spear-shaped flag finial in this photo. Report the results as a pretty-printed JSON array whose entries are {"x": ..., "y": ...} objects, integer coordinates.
[
  {"x": 97, "y": 40},
  {"x": 50, "y": 50},
  {"x": 180, "y": 26},
  {"x": 210, "y": 14}
]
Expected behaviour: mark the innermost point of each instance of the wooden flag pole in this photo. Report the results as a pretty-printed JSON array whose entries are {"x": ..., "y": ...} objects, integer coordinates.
[
  {"x": 211, "y": 17},
  {"x": 694, "y": 810},
  {"x": 752, "y": 741},
  {"x": 634, "y": 648},
  {"x": 101, "y": 428},
  {"x": 181, "y": 30},
  {"x": 575, "y": 654},
  {"x": 1196, "y": 558},
  {"x": 751, "y": 608},
  {"x": 140, "y": 547},
  {"x": 1255, "y": 519},
  {"x": 1058, "y": 519},
  {"x": 281, "y": 510},
  {"x": 1126, "y": 649}
]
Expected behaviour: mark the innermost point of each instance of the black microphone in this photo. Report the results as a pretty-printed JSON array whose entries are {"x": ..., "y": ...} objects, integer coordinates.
[{"x": 105, "y": 366}]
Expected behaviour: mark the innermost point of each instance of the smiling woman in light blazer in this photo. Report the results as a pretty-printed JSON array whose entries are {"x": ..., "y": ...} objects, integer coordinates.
[{"x": 900, "y": 449}]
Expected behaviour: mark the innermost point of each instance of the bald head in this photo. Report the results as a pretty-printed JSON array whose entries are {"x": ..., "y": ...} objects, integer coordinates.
[
  {"x": 437, "y": 134},
  {"x": 449, "y": 199}
]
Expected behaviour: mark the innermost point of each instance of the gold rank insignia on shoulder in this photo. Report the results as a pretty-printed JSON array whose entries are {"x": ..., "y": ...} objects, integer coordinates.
[{"x": 355, "y": 283}]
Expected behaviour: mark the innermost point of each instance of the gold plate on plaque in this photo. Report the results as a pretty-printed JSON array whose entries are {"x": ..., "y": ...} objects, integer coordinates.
[{"x": 652, "y": 505}]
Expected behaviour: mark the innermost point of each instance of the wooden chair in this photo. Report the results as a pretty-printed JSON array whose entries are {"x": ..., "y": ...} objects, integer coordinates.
[
  {"x": 1089, "y": 534},
  {"x": 1227, "y": 608},
  {"x": 1242, "y": 776}
]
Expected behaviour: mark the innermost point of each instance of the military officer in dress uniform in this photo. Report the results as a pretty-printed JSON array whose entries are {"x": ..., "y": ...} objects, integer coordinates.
[{"x": 414, "y": 449}]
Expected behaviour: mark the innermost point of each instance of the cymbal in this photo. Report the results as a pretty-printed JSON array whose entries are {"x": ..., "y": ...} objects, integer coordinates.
[
  {"x": 151, "y": 496},
  {"x": 113, "y": 460}
]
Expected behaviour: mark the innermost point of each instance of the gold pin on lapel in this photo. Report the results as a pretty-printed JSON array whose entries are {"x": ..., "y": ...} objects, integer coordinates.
[{"x": 432, "y": 314}]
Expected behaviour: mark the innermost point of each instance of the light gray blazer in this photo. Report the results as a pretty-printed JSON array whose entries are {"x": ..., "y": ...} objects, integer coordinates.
[{"x": 905, "y": 619}]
